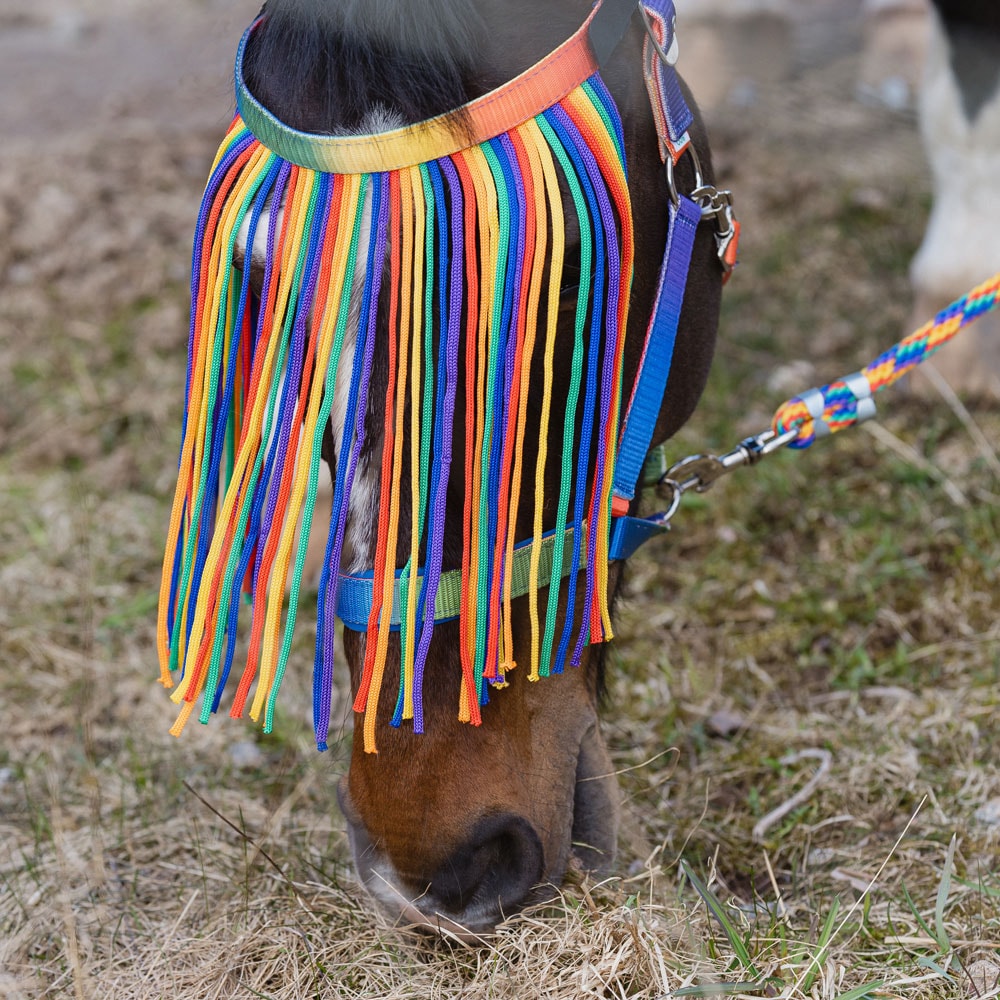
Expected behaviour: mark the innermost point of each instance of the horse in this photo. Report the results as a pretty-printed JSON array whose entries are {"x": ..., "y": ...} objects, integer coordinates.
[{"x": 457, "y": 826}]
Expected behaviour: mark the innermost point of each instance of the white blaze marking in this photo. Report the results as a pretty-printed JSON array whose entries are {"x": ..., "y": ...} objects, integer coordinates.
[{"x": 362, "y": 512}]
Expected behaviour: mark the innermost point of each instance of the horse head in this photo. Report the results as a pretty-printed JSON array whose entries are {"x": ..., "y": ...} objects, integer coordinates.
[{"x": 457, "y": 825}]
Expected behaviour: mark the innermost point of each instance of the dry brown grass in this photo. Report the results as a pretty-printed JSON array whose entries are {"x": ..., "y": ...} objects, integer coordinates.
[{"x": 839, "y": 602}]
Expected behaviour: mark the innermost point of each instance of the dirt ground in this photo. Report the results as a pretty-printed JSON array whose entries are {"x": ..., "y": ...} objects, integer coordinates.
[{"x": 849, "y": 604}]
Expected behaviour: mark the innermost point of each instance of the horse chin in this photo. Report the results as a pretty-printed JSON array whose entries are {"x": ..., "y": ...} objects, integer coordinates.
[
  {"x": 595, "y": 806},
  {"x": 589, "y": 844}
]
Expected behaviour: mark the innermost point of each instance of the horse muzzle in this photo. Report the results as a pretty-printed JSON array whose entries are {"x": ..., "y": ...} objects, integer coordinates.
[{"x": 493, "y": 874}]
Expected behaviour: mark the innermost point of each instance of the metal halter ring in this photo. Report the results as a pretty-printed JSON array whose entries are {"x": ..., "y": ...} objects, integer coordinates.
[
  {"x": 669, "y": 57},
  {"x": 670, "y": 491},
  {"x": 699, "y": 180}
]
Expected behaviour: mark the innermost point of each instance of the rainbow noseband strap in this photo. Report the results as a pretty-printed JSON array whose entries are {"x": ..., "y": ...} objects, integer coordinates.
[{"x": 449, "y": 273}]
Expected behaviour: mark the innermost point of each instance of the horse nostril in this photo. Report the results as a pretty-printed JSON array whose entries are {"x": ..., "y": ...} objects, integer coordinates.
[{"x": 497, "y": 867}]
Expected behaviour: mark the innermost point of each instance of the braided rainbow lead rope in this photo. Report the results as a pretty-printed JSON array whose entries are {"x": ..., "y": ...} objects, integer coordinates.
[{"x": 848, "y": 401}]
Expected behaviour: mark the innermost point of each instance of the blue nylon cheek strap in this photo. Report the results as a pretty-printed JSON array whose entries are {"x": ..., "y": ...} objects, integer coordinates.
[{"x": 654, "y": 367}]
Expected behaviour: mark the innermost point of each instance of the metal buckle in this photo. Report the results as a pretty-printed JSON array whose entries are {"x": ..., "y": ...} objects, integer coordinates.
[
  {"x": 714, "y": 203},
  {"x": 718, "y": 205}
]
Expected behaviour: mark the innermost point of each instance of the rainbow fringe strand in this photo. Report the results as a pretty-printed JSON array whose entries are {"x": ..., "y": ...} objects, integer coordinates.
[{"x": 463, "y": 254}]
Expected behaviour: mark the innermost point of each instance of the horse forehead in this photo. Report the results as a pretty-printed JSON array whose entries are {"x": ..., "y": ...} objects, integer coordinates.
[{"x": 433, "y": 29}]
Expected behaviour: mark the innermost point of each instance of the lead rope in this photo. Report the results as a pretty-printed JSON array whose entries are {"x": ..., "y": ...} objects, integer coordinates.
[
  {"x": 847, "y": 401},
  {"x": 822, "y": 411}
]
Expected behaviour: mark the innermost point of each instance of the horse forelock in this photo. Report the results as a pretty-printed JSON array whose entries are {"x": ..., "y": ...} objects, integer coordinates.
[
  {"x": 324, "y": 66},
  {"x": 434, "y": 29}
]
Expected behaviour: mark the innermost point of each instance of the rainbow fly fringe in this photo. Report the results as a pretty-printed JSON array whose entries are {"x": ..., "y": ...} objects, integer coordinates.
[{"x": 462, "y": 254}]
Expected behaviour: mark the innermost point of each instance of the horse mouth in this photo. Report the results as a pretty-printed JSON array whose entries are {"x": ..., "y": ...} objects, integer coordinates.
[
  {"x": 489, "y": 879},
  {"x": 501, "y": 869}
]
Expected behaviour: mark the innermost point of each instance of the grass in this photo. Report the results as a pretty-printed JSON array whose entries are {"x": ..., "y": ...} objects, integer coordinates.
[{"x": 834, "y": 610}]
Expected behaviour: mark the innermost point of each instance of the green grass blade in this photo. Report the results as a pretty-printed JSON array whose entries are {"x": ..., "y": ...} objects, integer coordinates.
[
  {"x": 719, "y": 912},
  {"x": 861, "y": 992},
  {"x": 928, "y": 963},
  {"x": 980, "y": 887},
  {"x": 913, "y": 909},
  {"x": 944, "y": 888},
  {"x": 825, "y": 936}
]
